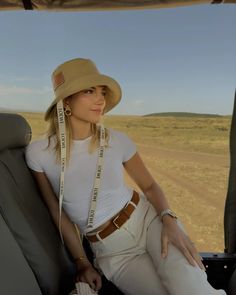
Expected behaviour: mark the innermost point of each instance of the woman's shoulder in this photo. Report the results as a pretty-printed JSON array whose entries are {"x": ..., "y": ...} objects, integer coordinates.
[
  {"x": 117, "y": 136},
  {"x": 114, "y": 132},
  {"x": 38, "y": 145},
  {"x": 123, "y": 143},
  {"x": 37, "y": 154}
]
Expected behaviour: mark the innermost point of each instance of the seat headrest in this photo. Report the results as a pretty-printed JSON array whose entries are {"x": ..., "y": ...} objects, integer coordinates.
[{"x": 14, "y": 131}]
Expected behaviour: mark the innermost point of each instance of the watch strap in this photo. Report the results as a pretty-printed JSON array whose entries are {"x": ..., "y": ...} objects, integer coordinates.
[{"x": 167, "y": 212}]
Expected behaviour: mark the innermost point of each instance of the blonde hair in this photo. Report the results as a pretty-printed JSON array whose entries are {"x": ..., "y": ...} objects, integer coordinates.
[{"x": 53, "y": 133}]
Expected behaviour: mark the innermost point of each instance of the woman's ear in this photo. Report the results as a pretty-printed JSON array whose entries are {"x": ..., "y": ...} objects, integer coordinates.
[
  {"x": 66, "y": 101},
  {"x": 65, "y": 104}
]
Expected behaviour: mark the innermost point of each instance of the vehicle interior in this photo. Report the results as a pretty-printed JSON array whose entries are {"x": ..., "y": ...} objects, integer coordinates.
[{"x": 32, "y": 258}]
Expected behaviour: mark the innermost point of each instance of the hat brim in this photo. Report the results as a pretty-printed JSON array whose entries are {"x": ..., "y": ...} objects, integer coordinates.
[{"x": 113, "y": 95}]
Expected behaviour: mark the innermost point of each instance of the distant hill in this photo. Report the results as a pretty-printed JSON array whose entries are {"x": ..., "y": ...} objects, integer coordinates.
[
  {"x": 3, "y": 110},
  {"x": 182, "y": 114}
]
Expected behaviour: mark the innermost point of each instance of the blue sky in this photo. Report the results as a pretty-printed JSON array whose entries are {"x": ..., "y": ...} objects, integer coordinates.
[{"x": 178, "y": 59}]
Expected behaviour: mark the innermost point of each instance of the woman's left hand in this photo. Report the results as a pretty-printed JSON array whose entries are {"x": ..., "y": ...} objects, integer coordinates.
[{"x": 172, "y": 233}]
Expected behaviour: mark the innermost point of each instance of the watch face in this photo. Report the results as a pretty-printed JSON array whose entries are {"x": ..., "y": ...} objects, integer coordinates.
[{"x": 173, "y": 215}]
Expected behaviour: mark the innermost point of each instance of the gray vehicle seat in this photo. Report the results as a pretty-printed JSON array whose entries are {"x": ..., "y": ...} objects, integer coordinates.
[{"x": 32, "y": 259}]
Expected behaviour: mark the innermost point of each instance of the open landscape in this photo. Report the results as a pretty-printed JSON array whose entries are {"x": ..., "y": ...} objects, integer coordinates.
[{"x": 189, "y": 158}]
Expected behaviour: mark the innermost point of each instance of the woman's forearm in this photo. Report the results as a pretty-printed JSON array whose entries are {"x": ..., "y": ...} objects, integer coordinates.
[
  {"x": 156, "y": 197},
  {"x": 69, "y": 233},
  {"x": 71, "y": 238},
  {"x": 143, "y": 178}
]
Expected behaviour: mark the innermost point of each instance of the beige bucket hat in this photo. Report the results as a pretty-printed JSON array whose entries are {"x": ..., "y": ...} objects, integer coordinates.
[{"x": 78, "y": 74}]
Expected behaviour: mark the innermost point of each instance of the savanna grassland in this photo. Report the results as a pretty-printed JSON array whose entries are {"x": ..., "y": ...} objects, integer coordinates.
[{"x": 189, "y": 158}]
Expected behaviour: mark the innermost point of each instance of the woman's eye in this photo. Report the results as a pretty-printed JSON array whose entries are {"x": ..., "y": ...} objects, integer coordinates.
[{"x": 88, "y": 91}]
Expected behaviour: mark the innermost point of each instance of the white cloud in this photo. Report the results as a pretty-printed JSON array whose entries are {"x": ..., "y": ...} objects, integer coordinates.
[
  {"x": 138, "y": 102},
  {"x": 12, "y": 90},
  {"x": 14, "y": 78},
  {"x": 23, "y": 79}
]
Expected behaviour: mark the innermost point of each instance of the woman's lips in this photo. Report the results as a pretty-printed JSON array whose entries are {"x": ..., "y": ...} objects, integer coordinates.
[{"x": 98, "y": 111}]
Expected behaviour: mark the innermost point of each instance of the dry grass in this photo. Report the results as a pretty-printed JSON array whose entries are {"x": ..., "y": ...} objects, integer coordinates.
[{"x": 189, "y": 159}]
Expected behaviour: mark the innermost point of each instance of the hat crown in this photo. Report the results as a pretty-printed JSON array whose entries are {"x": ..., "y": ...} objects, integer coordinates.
[{"x": 72, "y": 70}]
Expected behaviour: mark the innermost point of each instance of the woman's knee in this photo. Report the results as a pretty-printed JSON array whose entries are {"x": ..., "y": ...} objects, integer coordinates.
[{"x": 139, "y": 276}]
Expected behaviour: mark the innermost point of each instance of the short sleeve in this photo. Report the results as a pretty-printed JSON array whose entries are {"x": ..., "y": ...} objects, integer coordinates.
[
  {"x": 33, "y": 157},
  {"x": 126, "y": 145}
]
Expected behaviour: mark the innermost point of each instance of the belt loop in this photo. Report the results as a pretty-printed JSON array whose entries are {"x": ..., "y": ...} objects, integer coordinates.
[
  {"x": 132, "y": 203},
  {"x": 98, "y": 237}
]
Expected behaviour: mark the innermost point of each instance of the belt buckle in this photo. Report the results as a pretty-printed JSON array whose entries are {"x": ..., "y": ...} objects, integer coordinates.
[{"x": 114, "y": 222}]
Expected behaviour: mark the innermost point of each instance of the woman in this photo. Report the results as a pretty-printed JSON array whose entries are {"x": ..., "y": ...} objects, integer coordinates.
[{"x": 138, "y": 242}]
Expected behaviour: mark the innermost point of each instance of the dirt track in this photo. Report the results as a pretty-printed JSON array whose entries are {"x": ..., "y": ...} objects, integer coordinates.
[{"x": 195, "y": 185}]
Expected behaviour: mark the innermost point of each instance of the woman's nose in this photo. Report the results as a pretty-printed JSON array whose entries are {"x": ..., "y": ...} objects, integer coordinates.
[{"x": 100, "y": 99}]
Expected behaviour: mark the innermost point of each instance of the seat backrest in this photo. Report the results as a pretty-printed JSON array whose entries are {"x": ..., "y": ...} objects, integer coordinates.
[
  {"x": 32, "y": 257},
  {"x": 230, "y": 203}
]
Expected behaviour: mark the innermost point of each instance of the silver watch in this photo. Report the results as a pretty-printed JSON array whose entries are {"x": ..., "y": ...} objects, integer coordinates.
[{"x": 167, "y": 212}]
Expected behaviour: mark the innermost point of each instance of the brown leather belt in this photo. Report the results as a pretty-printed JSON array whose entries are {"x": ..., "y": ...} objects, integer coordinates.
[{"x": 118, "y": 221}]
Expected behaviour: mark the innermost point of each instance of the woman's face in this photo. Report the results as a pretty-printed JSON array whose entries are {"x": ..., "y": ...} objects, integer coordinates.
[{"x": 88, "y": 104}]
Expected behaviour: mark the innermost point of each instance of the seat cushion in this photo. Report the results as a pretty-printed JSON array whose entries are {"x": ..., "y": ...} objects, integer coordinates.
[
  {"x": 16, "y": 276},
  {"x": 232, "y": 284}
]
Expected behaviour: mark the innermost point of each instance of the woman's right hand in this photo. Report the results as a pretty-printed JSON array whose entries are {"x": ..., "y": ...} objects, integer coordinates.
[{"x": 87, "y": 274}]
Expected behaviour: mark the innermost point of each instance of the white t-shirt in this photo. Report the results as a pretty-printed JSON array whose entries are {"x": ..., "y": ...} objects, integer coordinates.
[{"x": 80, "y": 173}]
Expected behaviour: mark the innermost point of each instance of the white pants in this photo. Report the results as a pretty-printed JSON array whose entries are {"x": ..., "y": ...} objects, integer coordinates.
[{"x": 131, "y": 258}]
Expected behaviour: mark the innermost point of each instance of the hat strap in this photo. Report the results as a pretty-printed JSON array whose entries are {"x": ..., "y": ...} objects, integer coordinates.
[
  {"x": 97, "y": 180},
  {"x": 62, "y": 132},
  {"x": 100, "y": 161}
]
